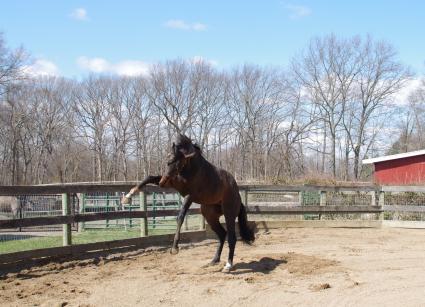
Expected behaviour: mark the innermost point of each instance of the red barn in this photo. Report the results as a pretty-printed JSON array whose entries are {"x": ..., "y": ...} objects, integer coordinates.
[{"x": 400, "y": 169}]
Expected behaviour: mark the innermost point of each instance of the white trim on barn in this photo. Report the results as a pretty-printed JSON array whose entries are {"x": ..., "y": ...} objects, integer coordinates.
[{"x": 395, "y": 157}]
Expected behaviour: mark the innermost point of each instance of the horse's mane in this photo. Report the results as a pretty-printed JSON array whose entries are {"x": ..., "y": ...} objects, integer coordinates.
[
  {"x": 184, "y": 140},
  {"x": 198, "y": 148}
]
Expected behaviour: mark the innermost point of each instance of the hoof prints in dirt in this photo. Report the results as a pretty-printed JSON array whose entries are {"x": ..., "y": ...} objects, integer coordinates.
[
  {"x": 321, "y": 287},
  {"x": 293, "y": 263},
  {"x": 265, "y": 265},
  {"x": 297, "y": 264}
]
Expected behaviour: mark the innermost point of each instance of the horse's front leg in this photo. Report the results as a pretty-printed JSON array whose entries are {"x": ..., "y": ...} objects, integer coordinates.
[
  {"x": 186, "y": 204},
  {"x": 137, "y": 188}
]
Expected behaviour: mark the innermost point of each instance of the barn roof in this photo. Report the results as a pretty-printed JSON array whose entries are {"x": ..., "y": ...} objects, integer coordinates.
[{"x": 395, "y": 157}]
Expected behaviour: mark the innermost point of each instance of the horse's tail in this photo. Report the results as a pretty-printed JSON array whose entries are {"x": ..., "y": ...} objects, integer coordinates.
[{"x": 245, "y": 231}]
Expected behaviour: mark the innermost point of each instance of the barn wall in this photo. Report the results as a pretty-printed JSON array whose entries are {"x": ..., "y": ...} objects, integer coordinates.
[{"x": 409, "y": 170}]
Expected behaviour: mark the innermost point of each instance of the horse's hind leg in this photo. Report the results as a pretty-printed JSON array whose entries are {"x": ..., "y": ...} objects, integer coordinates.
[
  {"x": 231, "y": 239},
  {"x": 212, "y": 215},
  {"x": 221, "y": 233}
]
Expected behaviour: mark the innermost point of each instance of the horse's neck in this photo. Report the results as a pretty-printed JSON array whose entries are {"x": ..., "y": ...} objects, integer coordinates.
[{"x": 198, "y": 165}]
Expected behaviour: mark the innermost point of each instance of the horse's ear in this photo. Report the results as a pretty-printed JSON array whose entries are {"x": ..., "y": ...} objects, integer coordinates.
[{"x": 183, "y": 139}]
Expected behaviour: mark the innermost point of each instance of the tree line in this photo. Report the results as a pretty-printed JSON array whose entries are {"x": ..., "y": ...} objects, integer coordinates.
[{"x": 319, "y": 117}]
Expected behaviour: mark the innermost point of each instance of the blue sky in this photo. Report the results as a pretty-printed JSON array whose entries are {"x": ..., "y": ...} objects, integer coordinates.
[{"x": 72, "y": 38}]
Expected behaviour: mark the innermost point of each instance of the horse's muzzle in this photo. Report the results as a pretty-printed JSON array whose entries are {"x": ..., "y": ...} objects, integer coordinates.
[{"x": 163, "y": 181}]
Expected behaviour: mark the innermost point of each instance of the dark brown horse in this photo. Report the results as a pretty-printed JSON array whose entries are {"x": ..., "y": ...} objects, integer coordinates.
[{"x": 214, "y": 189}]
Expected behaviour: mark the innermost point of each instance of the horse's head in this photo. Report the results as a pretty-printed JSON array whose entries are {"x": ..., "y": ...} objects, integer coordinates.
[{"x": 182, "y": 151}]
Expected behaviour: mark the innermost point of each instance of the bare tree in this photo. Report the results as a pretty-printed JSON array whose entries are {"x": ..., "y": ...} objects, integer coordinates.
[
  {"x": 174, "y": 93},
  {"x": 294, "y": 127},
  {"x": 210, "y": 99},
  {"x": 327, "y": 69},
  {"x": 256, "y": 106},
  {"x": 122, "y": 103},
  {"x": 93, "y": 114},
  {"x": 381, "y": 75},
  {"x": 416, "y": 109},
  {"x": 260, "y": 123},
  {"x": 12, "y": 120},
  {"x": 12, "y": 65}
]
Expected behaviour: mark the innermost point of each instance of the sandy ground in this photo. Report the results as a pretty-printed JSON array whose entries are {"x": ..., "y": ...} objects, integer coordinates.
[{"x": 287, "y": 267}]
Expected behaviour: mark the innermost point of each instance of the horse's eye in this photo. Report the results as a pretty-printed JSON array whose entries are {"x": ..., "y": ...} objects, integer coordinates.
[{"x": 172, "y": 160}]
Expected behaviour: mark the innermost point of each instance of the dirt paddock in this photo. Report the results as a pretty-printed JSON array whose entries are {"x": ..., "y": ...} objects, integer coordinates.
[{"x": 286, "y": 267}]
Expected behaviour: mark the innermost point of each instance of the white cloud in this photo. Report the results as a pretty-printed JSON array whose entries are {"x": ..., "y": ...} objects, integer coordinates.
[
  {"x": 199, "y": 26},
  {"x": 183, "y": 25},
  {"x": 94, "y": 64},
  {"x": 298, "y": 11},
  {"x": 124, "y": 68},
  {"x": 131, "y": 68},
  {"x": 177, "y": 24},
  {"x": 402, "y": 97},
  {"x": 42, "y": 67},
  {"x": 199, "y": 59},
  {"x": 79, "y": 14}
]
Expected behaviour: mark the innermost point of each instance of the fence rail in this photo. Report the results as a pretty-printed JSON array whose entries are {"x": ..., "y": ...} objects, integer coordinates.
[
  {"x": 301, "y": 200},
  {"x": 43, "y": 189},
  {"x": 87, "y": 217},
  {"x": 405, "y": 208},
  {"x": 264, "y": 209}
]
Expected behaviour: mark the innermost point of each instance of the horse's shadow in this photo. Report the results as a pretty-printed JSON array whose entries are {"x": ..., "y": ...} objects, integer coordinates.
[{"x": 265, "y": 265}]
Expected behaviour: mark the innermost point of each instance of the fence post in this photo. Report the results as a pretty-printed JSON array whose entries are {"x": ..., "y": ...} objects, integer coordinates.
[
  {"x": 381, "y": 203},
  {"x": 373, "y": 198},
  {"x": 202, "y": 223},
  {"x": 143, "y": 207},
  {"x": 154, "y": 209},
  {"x": 322, "y": 201},
  {"x": 66, "y": 210},
  {"x": 186, "y": 219},
  {"x": 118, "y": 206},
  {"x": 107, "y": 209},
  {"x": 81, "y": 210},
  {"x": 130, "y": 221},
  {"x": 21, "y": 214},
  {"x": 246, "y": 198},
  {"x": 300, "y": 198}
]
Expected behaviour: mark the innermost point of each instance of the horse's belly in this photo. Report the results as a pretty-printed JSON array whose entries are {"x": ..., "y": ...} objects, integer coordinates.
[{"x": 208, "y": 201}]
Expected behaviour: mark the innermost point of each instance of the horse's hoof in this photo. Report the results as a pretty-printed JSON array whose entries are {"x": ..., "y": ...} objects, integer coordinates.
[
  {"x": 174, "y": 251},
  {"x": 227, "y": 268},
  {"x": 209, "y": 264}
]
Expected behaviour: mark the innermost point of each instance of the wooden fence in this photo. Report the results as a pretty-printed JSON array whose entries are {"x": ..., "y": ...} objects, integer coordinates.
[{"x": 375, "y": 198}]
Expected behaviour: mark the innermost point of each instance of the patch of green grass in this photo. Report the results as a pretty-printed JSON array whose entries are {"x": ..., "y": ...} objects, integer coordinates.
[
  {"x": 28, "y": 244},
  {"x": 87, "y": 236},
  {"x": 90, "y": 236},
  {"x": 163, "y": 226}
]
